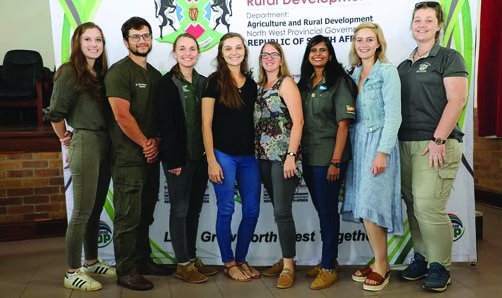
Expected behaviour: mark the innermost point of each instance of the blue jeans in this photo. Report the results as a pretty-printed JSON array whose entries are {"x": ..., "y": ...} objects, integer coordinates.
[
  {"x": 324, "y": 195},
  {"x": 244, "y": 170}
]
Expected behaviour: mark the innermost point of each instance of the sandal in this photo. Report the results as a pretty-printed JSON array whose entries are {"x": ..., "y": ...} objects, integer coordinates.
[
  {"x": 250, "y": 271},
  {"x": 226, "y": 272},
  {"x": 363, "y": 273},
  {"x": 380, "y": 281}
]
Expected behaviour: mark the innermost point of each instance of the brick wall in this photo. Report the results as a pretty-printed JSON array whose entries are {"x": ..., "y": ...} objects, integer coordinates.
[
  {"x": 31, "y": 184},
  {"x": 31, "y": 187},
  {"x": 487, "y": 162}
]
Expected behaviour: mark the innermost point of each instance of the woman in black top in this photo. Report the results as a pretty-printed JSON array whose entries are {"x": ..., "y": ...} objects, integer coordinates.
[{"x": 228, "y": 130}]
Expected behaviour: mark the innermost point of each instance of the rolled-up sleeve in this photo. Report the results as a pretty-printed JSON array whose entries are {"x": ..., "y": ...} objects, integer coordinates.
[{"x": 63, "y": 96}]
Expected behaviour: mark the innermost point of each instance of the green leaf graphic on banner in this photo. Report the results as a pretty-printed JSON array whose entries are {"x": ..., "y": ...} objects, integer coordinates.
[
  {"x": 109, "y": 205},
  {"x": 400, "y": 248},
  {"x": 76, "y": 12},
  {"x": 164, "y": 253},
  {"x": 459, "y": 30}
]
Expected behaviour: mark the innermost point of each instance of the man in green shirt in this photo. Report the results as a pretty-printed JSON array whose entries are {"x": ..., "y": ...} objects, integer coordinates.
[{"x": 131, "y": 87}]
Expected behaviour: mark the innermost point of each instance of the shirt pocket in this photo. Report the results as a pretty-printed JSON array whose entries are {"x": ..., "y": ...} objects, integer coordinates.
[
  {"x": 322, "y": 102},
  {"x": 373, "y": 90},
  {"x": 373, "y": 128}
]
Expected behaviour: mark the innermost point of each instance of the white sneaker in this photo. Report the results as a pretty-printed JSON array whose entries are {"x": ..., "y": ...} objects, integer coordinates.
[
  {"x": 100, "y": 268},
  {"x": 80, "y": 281}
]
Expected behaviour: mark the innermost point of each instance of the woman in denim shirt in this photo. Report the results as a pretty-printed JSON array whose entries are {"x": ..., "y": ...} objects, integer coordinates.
[{"x": 373, "y": 177}]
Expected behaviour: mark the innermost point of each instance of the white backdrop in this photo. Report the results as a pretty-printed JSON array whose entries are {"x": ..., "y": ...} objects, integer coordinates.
[{"x": 291, "y": 23}]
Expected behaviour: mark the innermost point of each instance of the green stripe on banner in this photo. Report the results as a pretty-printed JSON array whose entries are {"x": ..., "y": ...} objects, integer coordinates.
[
  {"x": 68, "y": 14},
  {"x": 162, "y": 252},
  {"x": 462, "y": 37},
  {"x": 109, "y": 206},
  {"x": 399, "y": 248},
  {"x": 65, "y": 40},
  {"x": 407, "y": 247},
  {"x": 453, "y": 22},
  {"x": 85, "y": 11},
  {"x": 468, "y": 52},
  {"x": 94, "y": 9}
]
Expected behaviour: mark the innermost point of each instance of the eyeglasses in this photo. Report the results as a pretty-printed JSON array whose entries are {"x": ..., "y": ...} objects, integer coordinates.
[
  {"x": 137, "y": 37},
  {"x": 266, "y": 55},
  {"x": 432, "y": 4}
]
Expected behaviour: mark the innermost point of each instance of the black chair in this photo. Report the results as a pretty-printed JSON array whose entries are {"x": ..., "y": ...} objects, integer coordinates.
[{"x": 22, "y": 81}]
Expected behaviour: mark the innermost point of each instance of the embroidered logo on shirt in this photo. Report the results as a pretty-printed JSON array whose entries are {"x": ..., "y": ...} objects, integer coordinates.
[
  {"x": 350, "y": 109},
  {"x": 423, "y": 67},
  {"x": 141, "y": 85}
]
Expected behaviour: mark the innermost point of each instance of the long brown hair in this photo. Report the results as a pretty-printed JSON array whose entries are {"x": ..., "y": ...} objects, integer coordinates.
[
  {"x": 283, "y": 69},
  {"x": 86, "y": 82},
  {"x": 175, "y": 70},
  {"x": 229, "y": 93}
]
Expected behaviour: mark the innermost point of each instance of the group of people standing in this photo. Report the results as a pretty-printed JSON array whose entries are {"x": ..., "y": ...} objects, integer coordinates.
[{"x": 385, "y": 131}]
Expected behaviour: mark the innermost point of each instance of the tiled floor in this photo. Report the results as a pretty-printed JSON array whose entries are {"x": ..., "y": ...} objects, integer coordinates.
[{"x": 34, "y": 268}]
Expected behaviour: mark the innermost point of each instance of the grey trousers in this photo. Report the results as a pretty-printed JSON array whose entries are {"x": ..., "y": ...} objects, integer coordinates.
[
  {"x": 281, "y": 192},
  {"x": 186, "y": 193},
  {"x": 90, "y": 170}
]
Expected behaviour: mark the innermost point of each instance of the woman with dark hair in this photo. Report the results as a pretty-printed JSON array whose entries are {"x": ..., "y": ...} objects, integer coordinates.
[
  {"x": 328, "y": 95},
  {"x": 182, "y": 155},
  {"x": 78, "y": 97},
  {"x": 228, "y": 131},
  {"x": 373, "y": 192},
  {"x": 278, "y": 122},
  {"x": 433, "y": 92}
]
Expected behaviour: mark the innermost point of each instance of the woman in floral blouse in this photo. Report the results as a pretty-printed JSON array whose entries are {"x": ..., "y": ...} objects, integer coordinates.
[{"x": 279, "y": 122}]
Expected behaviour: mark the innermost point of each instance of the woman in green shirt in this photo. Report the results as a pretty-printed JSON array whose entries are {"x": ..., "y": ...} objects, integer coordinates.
[
  {"x": 328, "y": 97},
  {"x": 78, "y": 98}
]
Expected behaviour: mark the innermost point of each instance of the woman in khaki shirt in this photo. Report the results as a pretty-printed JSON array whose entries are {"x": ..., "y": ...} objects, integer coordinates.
[
  {"x": 328, "y": 96},
  {"x": 78, "y": 98}
]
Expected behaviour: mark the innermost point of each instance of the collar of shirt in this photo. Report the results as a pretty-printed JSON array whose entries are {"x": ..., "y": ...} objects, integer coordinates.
[{"x": 432, "y": 52}]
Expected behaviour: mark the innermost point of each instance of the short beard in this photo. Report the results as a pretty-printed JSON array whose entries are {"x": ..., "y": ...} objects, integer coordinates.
[{"x": 136, "y": 53}]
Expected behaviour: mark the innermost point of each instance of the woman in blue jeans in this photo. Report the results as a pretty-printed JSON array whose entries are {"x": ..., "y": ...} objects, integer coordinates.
[
  {"x": 228, "y": 131},
  {"x": 328, "y": 98}
]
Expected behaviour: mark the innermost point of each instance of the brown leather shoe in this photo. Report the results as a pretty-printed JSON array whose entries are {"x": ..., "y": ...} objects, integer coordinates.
[
  {"x": 190, "y": 274},
  {"x": 275, "y": 270},
  {"x": 134, "y": 281},
  {"x": 315, "y": 271},
  {"x": 206, "y": 270},
  {"x": 151, "y": 268},
  {"x": 286, "y": 279},
  {"x": 324, "y": 280}
]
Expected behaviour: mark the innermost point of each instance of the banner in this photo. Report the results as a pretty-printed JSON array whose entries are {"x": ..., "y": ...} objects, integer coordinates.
[{"x": 291, "y": 23}]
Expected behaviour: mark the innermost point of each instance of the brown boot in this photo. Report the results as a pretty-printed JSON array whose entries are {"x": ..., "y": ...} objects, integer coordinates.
[
  {"x": 315, "y": 271},
  {"x": 190, "y": 274},
  {"x": 275, "y": 270},
  {"x": 134, "y": 281},
  {"x": 286, "y": 279},
  {"x": 324, "y": 280},
  {"x": 206, "y": 270}
]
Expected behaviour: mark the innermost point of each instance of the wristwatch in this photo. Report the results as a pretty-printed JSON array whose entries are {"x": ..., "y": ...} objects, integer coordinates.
[
  {"x": 438, "y": 141},
  {"x": 291, "y": 154},
  {"x": 335, "y": 164}
]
